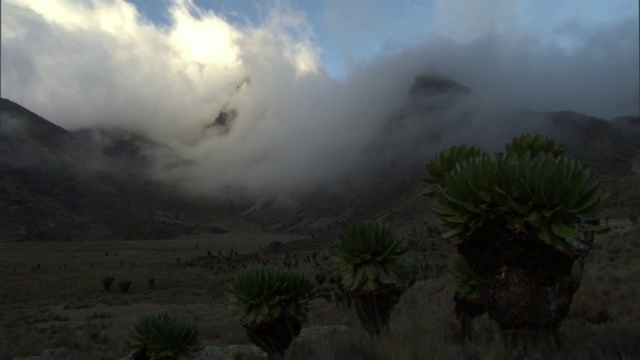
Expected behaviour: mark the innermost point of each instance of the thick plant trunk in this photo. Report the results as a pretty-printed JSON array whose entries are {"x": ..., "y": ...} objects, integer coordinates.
[
  {"x": 526, "y": 286},
  {"x": 374, "y": 310},
  {"x": 275, "y": 336},
  {"x": 529, "y": 312},
  {"x": 528, "y": 343},
  {"x": 141, "y": 354},
  {"x": 466, "y": 327},
  {"x": 466, "y": 310}
]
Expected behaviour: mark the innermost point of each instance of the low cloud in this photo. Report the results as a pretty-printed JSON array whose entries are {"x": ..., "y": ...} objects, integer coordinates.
[{"x": 101, "y": 64}]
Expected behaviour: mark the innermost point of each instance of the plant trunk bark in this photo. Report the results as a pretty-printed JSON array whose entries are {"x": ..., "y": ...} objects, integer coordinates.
[
  {"x": 275, "y": 336},
  {"x": 467, "y": 310},
  {"x": 374, "y": 310},
  {"x": 531, "y": 343},
  {"x": 526, "y": 286}
]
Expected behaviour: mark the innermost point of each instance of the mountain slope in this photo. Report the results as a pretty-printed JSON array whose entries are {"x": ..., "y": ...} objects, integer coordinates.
[
  {"x": 59, "y": 185},
  {"x": 94, "y": 184}
]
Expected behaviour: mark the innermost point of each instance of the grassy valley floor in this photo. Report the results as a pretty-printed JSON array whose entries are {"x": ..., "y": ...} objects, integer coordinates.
[{"x": 51, "y": 297}]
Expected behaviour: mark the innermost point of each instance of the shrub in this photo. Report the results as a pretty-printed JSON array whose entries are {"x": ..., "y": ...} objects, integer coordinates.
[
  {"x": 463, "y": 278},
  {"x": 124, "y": 286},
  {"x": 164, "y": 336},
  {"x": 107, "y": 281}
]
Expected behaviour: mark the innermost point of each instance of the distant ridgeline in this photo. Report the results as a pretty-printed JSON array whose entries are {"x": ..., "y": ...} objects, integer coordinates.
[{"x": 92, "y": 184}]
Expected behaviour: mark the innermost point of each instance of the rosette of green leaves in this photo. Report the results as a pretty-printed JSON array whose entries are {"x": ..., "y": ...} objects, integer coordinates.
[
  {"x": 547, "y": 195},
  {"x": 532, "y": 146},
  {"x": 367, "y": 257},
  {"x": 448, "y": 159},
  {"x": 165, "y": 336},
  {"x": 465, "y": 196},
  {"x": 464, "y": 279},
  {"x": 262, "y": 293}
]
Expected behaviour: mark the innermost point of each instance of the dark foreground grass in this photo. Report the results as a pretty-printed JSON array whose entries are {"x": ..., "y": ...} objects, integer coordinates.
[{"x": 62, "y": 303}]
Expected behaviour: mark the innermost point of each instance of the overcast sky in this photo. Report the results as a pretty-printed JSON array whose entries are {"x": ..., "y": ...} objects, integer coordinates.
[{"x": 311, "y": 80}]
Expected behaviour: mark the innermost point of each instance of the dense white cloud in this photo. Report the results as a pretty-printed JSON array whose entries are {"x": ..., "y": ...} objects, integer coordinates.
[{"x": 101, "y": 63}]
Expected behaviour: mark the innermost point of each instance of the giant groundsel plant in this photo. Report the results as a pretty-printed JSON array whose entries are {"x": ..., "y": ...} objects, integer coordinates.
[
  {"x": 271, "y": 303},
  {"x": 518, "y": 217},
  {"x": 367, "y": 258}
]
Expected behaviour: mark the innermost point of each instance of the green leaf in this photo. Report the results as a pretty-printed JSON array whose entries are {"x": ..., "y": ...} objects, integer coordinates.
[
  {"x": 453, "y": 232},
  {"x": 534, "y": 219},
  {"x": 563, "y": 230},
  {"x": 591, "y": 228},
  {"x": 523, "y": 209},
  {"x": 365, "y": 257}
]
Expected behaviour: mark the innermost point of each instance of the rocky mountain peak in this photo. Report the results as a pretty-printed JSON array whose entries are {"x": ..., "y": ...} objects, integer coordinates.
[{"x": 427, "y": 85}]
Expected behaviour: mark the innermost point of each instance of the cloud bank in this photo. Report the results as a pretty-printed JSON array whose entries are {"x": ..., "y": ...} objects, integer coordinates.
[{"x": 100, "y": 63}]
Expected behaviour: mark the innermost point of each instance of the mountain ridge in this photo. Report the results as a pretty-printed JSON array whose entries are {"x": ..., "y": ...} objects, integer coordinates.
[{"x": 50, "y": 193}]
